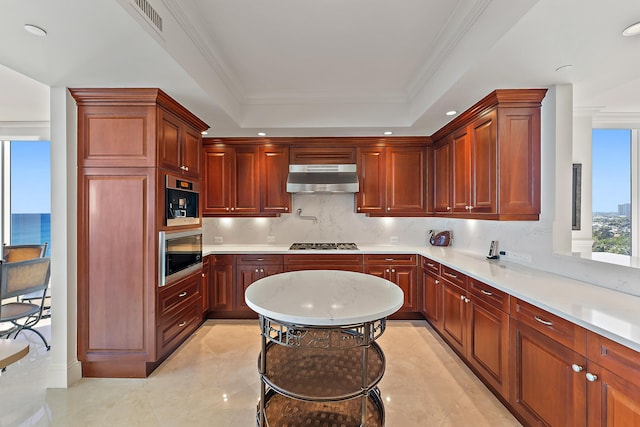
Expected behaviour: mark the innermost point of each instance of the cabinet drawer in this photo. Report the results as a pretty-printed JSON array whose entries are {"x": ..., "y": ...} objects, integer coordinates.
[
  {"x": 322, "y": 155},
  {"x": 322, "y": 259},
  {"x": 179, "y": 325},
  {"x": 613, "y": 356},
  {"x": 454, "y": 276},
  {"x": 172, "y": 297},
  {"x": 556, "y": 328},
  {"x": 395, "y": 259},
  {"x": 488, "y": 294},
  {"x": 430, "y": 265},
  {"x": 220, "y": 259},
  {"x": 259, "y": 259}
]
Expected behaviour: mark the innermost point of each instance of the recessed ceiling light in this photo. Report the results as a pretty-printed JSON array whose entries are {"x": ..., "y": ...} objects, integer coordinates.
[
  {"x": 388, "y": 132},
  {"x": 35, "y": 30},
  {"x": 632, "y": 30},
  {"x": 262, "y": 134},
  {"x": 451, "y": 113},
  {"x": 204, "y": 132}
]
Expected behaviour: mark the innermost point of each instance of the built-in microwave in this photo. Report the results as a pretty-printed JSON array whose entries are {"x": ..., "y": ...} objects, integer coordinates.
[
  {"x": 182, "y": 202},
  {"x": 179, "y": 254}
]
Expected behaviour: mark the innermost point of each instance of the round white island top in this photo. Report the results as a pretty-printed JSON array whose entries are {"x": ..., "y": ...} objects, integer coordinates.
[{"x": 324, "y": 297}]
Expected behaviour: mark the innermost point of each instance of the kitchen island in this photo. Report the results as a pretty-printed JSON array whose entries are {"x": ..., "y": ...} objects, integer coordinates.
[{"x": 319, "y": 362}]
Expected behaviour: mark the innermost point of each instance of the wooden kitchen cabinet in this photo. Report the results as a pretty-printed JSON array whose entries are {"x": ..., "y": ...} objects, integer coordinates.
[
  {"x": 121, "y": 147},
  {"x": 220, "y": 284},
  {"x": 179, "y": 145},
  {"x": 345, "y": 262},
  {"x": 273, "y": 183},
  {"x": 204, "y": 285},
  {"x": 400, "y": 269},
  {"x": 249, "y": 268},
  {"x": 231, "y": 180},
  {"x": 392, "y": 180},
  {"x": 492, "y": 154},
  {"x": 613, "y": 383},
  {"x": 547, "y": 368},
  {"x": 431, "y": 292}
]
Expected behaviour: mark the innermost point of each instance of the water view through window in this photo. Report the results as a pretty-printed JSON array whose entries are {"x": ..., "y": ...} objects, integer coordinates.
[
  {"x": 30, "y": 193},
  {"x": 611, "y": 191}
]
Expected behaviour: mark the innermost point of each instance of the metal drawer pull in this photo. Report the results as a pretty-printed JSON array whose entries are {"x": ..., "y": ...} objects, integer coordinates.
[
  {"x": 393, "y": 270},
  {"x": 388, "y": 259},
  {"x": 576, "y": 368},
  {"x": 183, "y": 294},
  {"x": 486, "y": 292},
  {"x": 182, "y": 324},
  {"x": 591, "y": 377},
  {"x": 451, "y": 275},
  {"x": 430, "y": 264},
  {"x": 259, "y": 259},
  {"x": 437, "y": 282},
  {"x": 544, "y": 322}
]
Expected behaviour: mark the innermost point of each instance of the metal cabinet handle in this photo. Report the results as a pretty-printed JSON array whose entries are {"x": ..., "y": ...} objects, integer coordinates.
[
  {"x": 576, "y": 368},
  {"x": 233, "y": 209},
  {"x": 259, "y": 259},
  {"x": 451, "y": 275},
  {"x": 388, "y": 209},
  {"x": 544, "y": 322},
  {"x": 388, "y": 259},
  {"x": 429, "y": 264},
  {"x": 462, "y": 297},
  {"x": 448, "y": 208},
  {"x": 262, "y": 270},
  {"x": 257, "y": 270},
  {"x": 437, "y": 282},
  {"x": 186, "y": 168},
  {"x": 393, "y": 270},
  {"x": 203, "y": 274},
  {"x": 486, "y": 292},
  {"x": 226, "y": 209},
  {"x": 286, "y": 209},
  {"x": 182, "y": 324},
  {"x": 358, "y": 207},
  {"x": 591, "y": 377},
  {"x": 182, "y": 295},
  {"x": 387, "y": 270}
]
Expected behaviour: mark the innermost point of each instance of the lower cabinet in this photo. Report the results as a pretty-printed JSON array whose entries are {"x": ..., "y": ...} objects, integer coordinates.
[
  {"x": 204, "y": 286},
  {"x": 250, "y": 268},
  {"x": 179, "y": 312},
  {"x": 400, "y": 269},
  {"x": 431, "y": 292},
  {"x": 344, "y": 262},
  {"x": 220, "y": 284}
]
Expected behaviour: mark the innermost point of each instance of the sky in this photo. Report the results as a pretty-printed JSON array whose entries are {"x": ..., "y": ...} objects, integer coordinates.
[
  {"x": 611, "y": 169},
  {"x": 30, "y": 177}
]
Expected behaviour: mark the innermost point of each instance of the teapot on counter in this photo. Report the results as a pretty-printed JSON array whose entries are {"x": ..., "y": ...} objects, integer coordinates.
[{"x": 440, "y": 238}]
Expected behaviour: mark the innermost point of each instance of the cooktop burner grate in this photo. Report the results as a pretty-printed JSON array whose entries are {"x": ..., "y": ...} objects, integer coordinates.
[{"x": 323, "y": 246}]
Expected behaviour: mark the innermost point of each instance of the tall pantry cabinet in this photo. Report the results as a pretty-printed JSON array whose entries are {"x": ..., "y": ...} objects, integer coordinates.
[{"x": 128, "y": 141}]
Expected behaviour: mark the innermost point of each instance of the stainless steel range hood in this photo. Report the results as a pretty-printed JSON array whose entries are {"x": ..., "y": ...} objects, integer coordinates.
[{"x": 322, "y": 179}]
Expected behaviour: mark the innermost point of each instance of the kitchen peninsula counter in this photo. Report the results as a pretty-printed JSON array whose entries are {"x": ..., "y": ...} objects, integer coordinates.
[{"x": 612, "y": 314}]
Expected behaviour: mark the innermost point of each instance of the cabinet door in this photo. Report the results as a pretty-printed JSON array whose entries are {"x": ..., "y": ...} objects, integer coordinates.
[
  {"x": 274, "y": 169},
  {"x": 191, "y": 149},
  {"x": 378, "y": 270},
  {"x": 218, "y": 169},
  {"x": 246, "y": 197},
  {"x": 371, "y": 174},
  {"x": 545, "y": 390},
  {"x": 432, "y": 299},
  {"x": 169, "y": 156},
  {"x": 483, "y": 164},
  {"x": 405, "y": 277},
  {"x": 488, "y": 344},
  {"x": 246, "y": 274},
  {"x": 612, "y": 400},
  {"x": 406, "y": 180},
  {"x": 442, "y": 177},
  {"x": 221, "y": 284},
  {"x": 461, "y": 169},
  {"x": 454, "y": 316}
]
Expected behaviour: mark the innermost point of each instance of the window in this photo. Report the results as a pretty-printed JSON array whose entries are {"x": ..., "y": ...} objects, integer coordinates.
[
  {"x": 27, "y": 187},
  {"x": 612, "y": 191}
]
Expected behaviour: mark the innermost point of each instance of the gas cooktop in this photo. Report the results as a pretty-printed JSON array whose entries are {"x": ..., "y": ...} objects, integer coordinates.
[{"x": 323, "y": 246}]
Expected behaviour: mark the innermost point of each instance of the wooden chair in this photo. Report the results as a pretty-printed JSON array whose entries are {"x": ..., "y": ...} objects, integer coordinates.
[{"x": 18, "y": 279}]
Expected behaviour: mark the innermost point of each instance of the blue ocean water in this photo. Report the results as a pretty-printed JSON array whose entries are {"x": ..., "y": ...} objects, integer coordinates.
[{"x": 31, "y": 228}]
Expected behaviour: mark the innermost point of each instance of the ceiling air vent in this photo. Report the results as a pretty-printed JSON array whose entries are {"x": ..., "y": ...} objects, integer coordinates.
[{"x": 149, "y": 13}]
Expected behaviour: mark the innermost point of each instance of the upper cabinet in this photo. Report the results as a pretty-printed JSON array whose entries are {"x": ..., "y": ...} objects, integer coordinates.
[
  {"x": 392, "y": 180},
  {"x": 136, "y": 127},
  {"x": 179, "y": 145},
  {"x": 487, "y": 161},
  {"x": 244, "y": 180}
]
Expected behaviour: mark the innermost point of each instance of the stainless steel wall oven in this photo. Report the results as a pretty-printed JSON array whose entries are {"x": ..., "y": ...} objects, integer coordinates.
[{"x": 179, "y": 254}]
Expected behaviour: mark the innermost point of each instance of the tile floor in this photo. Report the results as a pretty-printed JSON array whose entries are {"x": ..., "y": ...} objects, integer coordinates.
[{"x": 212, "y": 381}]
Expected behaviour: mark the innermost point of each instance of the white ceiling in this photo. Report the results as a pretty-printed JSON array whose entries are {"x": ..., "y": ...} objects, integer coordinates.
[{"x": 321, "y": 67}]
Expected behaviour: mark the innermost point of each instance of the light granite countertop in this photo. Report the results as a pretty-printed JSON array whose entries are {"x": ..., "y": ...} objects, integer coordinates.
[{"x": 610, "y": 313}]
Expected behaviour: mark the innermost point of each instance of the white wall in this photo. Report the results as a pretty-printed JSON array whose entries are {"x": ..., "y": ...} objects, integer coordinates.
[{"x": 337, "y": 220}]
